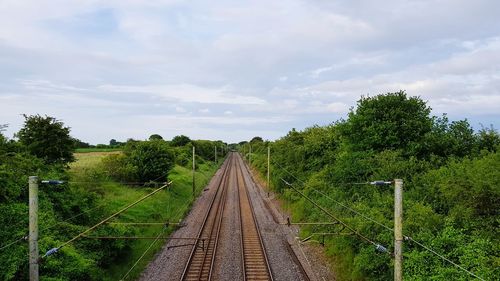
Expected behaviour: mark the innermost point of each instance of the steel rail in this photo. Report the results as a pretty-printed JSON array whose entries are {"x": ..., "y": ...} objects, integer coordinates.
[
  {"x": 218, "y": 194},
  {"x": 251, "y": 225},
  {"x": 219, "y": 225}
]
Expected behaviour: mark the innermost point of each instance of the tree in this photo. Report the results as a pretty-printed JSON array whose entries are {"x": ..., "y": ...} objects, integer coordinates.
[
  {"x": 155, "y": 137},
  {"x": 488, "y": 139},
  {"x": 81, "y": 144},
  {"x": 2, "y": 137},
  {"x": 151, "y": 160},
  {"x": 47, "y": 139},
  {"x": 205, "y": 149},
  {"x": 113, "y": 142},
  {"x": 256, "y": 139},
  {"x": 181, "y": 140},
  {"x": 389, "y": 121}
]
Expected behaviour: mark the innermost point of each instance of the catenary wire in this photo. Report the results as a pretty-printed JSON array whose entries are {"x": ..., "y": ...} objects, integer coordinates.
[
  {"x": 143, "y": 254},
  {"x": 54, "y": 250}
]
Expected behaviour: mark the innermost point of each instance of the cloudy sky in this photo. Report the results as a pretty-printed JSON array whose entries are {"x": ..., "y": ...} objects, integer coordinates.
[{"x": 232, "y": 70}]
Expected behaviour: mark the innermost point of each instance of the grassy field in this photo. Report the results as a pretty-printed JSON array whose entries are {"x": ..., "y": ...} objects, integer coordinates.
[
  {"x": 93, "y": 149},
  {"x": 168, "y": 205}
]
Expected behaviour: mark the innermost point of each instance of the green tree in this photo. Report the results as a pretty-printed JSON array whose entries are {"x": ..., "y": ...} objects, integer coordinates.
[
  {"x": 47, "y": 138},
  {"x": 205, "y": 149},
  {"x": 181, "y": 140},
  {"x": 256, "y": 139},
  {"x": 488, "y": 139},
  {"x": 155, "y": 137},
  {"x": 3, "y": 140},
  {"x": 81, "y": 144},
  {"x": 389, "y": 121},
  {"x": 151, "y": 160}
]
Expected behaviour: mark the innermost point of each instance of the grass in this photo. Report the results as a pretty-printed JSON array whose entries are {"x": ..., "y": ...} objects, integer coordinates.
[
  {"x": 93, "y": 149},
  {"x": 171, "y": 205}
]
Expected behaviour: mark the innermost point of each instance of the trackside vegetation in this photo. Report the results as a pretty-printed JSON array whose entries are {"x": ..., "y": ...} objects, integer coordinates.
[
  {"x": 451, "y": 189},
  {"x": 96, "y": 185}
]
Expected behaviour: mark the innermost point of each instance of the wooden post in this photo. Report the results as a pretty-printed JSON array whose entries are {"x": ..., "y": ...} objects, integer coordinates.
[
  {"x": 250, "y": 155},
  {"x": 215, "y": 153},
  {"x": 194, "y": 167},
  {"x": 398, "y": 230},
  {"x": 268, "y": 164},
  {"x": 33, "y": 227}
]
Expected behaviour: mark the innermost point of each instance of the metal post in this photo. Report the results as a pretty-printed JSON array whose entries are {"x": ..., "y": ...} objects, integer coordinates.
[
  {"x": 194, "y": 167},
  {"x": 250, "y": 155},
  {"x": 33, "y": 227},
  {"x": 398, "y": 230},
  {"x": 215, "y": 149},
  {"x": 268, "y": 164}
]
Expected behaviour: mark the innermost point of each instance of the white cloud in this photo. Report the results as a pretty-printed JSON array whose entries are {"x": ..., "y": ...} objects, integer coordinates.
[
  {"x": 180, "y": 109},
  {"x": 293, "y": 62},
  {"x": 186, "y": 93}
]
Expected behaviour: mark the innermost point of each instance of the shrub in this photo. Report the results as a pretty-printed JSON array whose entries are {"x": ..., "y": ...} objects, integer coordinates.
[{"x": 151, "y": 160}]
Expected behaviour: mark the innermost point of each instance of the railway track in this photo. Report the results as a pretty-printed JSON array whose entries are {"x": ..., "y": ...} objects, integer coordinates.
[
  {"x": 201, "y": 260},
  {"x": 254, "y": 258},
  {"x": 254, "y": 262}
]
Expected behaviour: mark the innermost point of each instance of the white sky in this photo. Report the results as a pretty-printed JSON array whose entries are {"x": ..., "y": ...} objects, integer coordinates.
[{"x": 232, "y": 70}]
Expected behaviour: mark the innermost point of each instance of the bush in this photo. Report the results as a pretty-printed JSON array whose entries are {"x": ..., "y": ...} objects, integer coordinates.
[
  {"x": 151, "y": 160},
  {"x": 117, "y": 167}
]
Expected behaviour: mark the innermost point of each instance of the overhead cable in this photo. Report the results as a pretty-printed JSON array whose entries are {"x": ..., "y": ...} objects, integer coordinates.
[{"x": 54, "y": 250}]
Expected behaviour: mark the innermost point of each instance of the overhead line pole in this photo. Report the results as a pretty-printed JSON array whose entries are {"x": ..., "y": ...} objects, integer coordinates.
[
  {"x": 398, "y": 230},
  {"x": 268, "y": 165},
  {"x": 33, "y": 228},
  {"x": 194, "y": 167}
]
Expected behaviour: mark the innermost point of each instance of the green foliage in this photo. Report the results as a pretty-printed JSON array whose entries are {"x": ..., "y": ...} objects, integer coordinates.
[
  {"x": 115, "y": 257},
  {"x": 154, "y": 137},
  {"x": 256, "y": 139},
  {"x": 389, "y": 121},
  {"x": 450, "y": 175},
  {"x": 68, "y": 209},
  {"x": 55, "y": 203},
  {"x": 47, "y": 139},
  {"x": 488, "y": 139},
  {"x": 205, "y": 149},
  {"x": 80, "y": 144},
  {"x": 151, "y": 160},
  {"x": 183, "y": 155},
  {"x": 181, "y": 140},
  {"x": 119, "y": 168}
]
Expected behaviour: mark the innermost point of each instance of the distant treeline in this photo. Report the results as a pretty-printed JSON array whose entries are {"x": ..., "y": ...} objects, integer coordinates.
[{"x": 451, "y": 188}]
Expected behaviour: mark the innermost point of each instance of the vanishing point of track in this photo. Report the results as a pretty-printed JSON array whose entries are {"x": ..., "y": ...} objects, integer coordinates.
[{"x": 201, "y": 262}]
